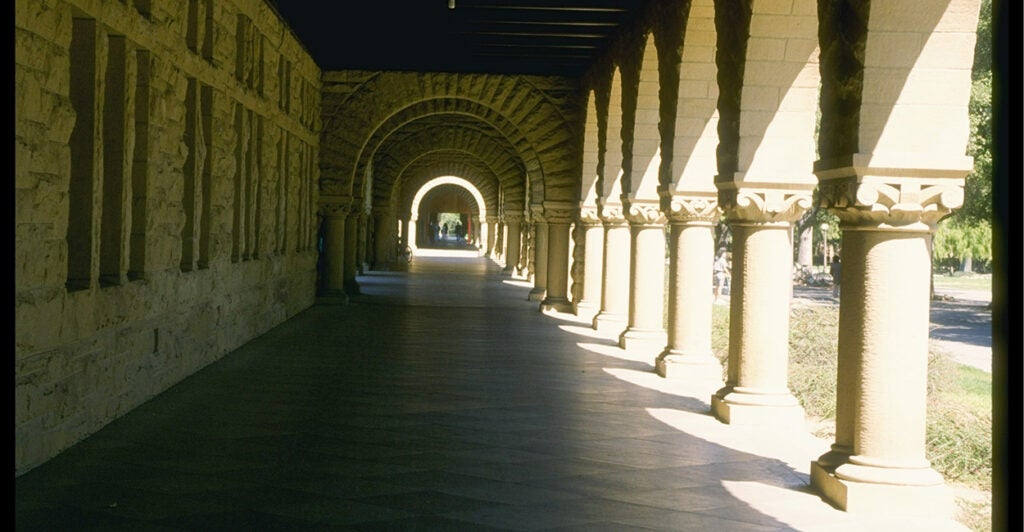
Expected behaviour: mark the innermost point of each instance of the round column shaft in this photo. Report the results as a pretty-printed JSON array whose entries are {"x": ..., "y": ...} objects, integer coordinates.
[
  {"x": 688, "y": 354},
  {"x": 557, "y": 267},
  {"x": 334, "y": 255},
  {"x": 540, "y": 277},
  {"x": 351, "y": 236},
  {"x": 756, "y": 390},
  {"x": 593, "y": 266},
  {"x": 614, "y": 312},
  {"x": 646, "y": 281},
  {"x": 512, "y": 247}
]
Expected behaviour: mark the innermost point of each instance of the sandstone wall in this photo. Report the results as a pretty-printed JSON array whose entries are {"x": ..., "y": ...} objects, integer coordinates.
[{"x": 165, "y": 192}]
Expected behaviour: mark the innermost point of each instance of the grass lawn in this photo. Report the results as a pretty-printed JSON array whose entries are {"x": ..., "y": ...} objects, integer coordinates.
[{"x": 973, "y": 281}]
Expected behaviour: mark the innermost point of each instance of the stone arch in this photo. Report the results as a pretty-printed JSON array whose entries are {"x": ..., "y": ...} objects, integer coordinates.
[
  {"x": 429, "y": 166},
  {"x": 442, "y": 181},
  {"x": 457, "y": 140},
  {"x": 357, "y": 106},
  {"x": 593, "y": 156}
]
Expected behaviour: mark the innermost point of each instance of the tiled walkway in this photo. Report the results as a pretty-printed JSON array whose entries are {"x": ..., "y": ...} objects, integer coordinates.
[{"x": 439, "y": 399}]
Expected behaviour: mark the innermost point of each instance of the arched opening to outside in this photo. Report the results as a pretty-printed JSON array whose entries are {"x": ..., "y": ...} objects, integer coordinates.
[{"x": 447, "y": 213}]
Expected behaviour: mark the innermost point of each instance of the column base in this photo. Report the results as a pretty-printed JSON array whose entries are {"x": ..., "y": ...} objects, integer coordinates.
[
  {"x": 643, "y": 338},
  {"x": 586, "y": 309},
  {"x": 678, "y": 365},
  {"x": 605, "y": 322},
  {"x": 932, "y": 501},
  {"x": 537, "y": 294},
  {"x": 781, "y": 410},
  {"x": 559, "y": 304}
]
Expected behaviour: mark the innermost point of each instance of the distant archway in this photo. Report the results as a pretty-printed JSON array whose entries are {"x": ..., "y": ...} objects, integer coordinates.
[{"x": 442, "y": 181}]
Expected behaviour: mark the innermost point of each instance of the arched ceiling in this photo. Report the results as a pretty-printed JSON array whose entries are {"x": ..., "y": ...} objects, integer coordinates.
[{"x": 441, "y": 163}]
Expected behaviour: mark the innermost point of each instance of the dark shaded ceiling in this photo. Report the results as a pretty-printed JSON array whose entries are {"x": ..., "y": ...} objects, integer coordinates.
[{"x": 541, "y": 37}]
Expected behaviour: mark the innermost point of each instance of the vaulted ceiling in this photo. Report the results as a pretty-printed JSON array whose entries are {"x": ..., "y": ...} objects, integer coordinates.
[{"x": 540, "y": 37}]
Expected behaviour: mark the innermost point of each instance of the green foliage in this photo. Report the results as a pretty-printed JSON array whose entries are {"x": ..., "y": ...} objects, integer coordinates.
[{"x": 958, "y": 238}]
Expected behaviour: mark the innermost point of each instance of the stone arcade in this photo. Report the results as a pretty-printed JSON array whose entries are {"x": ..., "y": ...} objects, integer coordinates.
[{"x": 178, "y": 164}]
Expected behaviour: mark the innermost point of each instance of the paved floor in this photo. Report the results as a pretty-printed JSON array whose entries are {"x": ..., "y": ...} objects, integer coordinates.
[{"x": 438, "y": 399}]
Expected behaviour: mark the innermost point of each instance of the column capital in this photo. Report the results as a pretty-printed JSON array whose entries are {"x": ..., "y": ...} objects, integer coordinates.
[
  {"x": 589, "y": 216},
  {"x": 765, "y": 204},
  {"x": 559, "y": 212},
  {"x": 333, "y": 209},
  {"x": 693, "y": 208},
  {"x": 513, "y": 218},
  {"x": 611, "y": 214},
  {"x": 492, "y": 219},
  {"x": 892, "y": 203},
  {"x": 645, "y": 214}
]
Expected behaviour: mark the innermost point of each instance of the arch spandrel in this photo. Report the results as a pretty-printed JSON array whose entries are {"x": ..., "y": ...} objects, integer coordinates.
[
  {"x": 685, "y": 37},
  {"x": 611, "y": 190},
  {"x": 645, "y": 155},
  {"x": 593, "y": 156},
  {"x": 768, "y": 79},
  {"x": 894, "y": 87}
]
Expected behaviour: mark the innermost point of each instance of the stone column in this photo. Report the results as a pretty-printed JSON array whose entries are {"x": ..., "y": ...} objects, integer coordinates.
[
  {"x": 756, "y": 390},
  {"x": 526, "y": 266},
  {"x": 499, "y": 241},
  {"x": 646, "y": 326},
  {"x": 614, "y": 314},
  {"x": 351, "y": 236},
  {"x": 410, "y": 231},
  {"x": 558, "y": 219},
  {"x": 492, "y": 238},
  {"x": 334, "y": 215},
  {"x": 540, "y": 277},
  {"x": 688, "y": 355},
  {"x": 878, "y": 457},
  {"x": 593, "y": 264},
  {"x": 384, "y": 240},
  {"x": 512, "y": 226},
  {"x": 361, "y": 266}
]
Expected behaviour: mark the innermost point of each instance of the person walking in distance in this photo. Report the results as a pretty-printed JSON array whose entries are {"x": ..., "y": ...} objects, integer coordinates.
[
  {"x": 835, "y": 270},
  {"x": 722, "y": 273}
]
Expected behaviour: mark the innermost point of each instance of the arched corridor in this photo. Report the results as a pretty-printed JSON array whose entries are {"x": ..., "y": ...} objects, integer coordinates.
[{"x": 446, "y": 402}]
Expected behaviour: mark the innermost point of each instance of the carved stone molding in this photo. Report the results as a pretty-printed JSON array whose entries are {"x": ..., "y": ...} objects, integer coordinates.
[
  {"x": 510, "y": 218},
  {"x": 645, "y": 214},
  {"x": 893, "y": 202},
  {"x": 694, "y": 209},
  {"x": 765, "y": 204},
  {"x": 491, "y": 220}
]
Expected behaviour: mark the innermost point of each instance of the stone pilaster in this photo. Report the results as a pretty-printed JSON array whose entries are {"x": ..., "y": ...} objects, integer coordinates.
[
  {"x": 688, "y": 354},
  {"x": 540, "y": 277},
  {"x": 593, "y": 263},
  {"x": 614, "y": 313},
  {"x": 756, "y": 391},
  {"x": 333, "y": 279},
  {"x": 878, "y": 459},
  {"x": 647, "y": 278},
  {"x": 361, "y": 265},
  {"x": 558, "y": 218}
]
